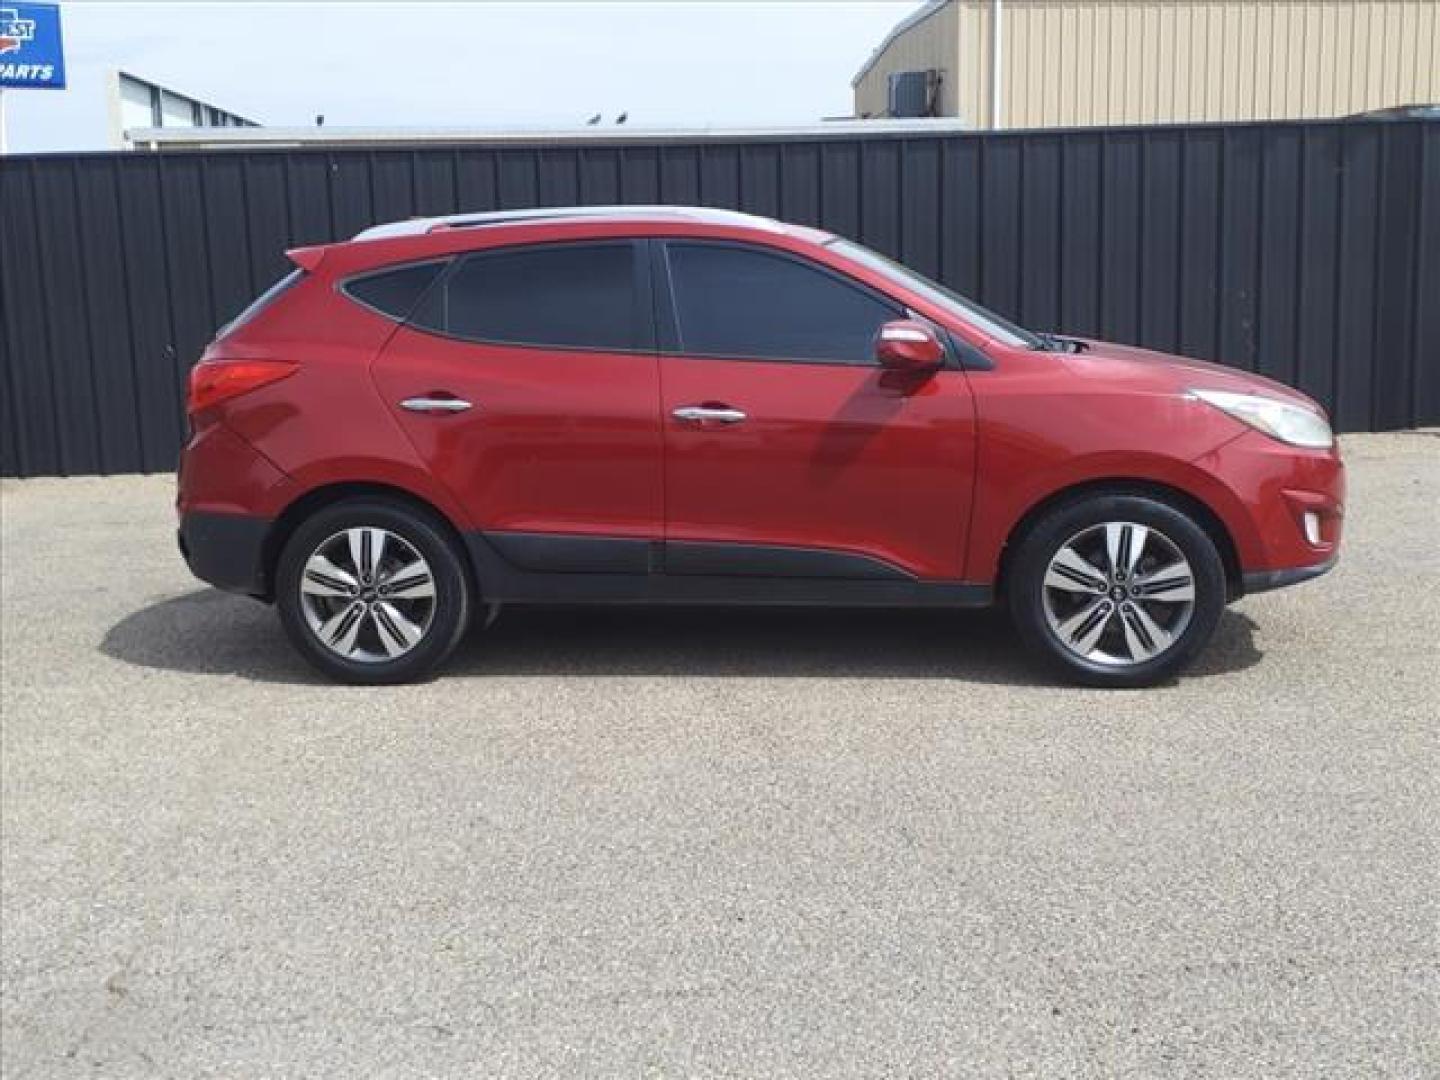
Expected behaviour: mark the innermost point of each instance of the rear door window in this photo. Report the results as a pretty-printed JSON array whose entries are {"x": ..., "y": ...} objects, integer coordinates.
[
  {"x": 581, "y": 295},
  {"x": 742, "y": 302}
]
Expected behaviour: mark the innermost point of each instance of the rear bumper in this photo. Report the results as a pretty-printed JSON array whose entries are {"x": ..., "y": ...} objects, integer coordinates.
[
  {"x": 227, "y": 497},
  {"x": 226, "y": 550}
]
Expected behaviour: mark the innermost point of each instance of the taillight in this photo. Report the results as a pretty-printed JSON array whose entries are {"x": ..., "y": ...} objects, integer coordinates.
[{"x": 214, "y": 381}]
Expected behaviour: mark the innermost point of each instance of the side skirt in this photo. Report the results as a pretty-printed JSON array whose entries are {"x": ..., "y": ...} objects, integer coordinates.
[{"x": 539, "y": 569}]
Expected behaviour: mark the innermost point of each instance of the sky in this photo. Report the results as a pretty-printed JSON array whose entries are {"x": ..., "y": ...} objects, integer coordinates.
[{"x": 668, "y": 63}]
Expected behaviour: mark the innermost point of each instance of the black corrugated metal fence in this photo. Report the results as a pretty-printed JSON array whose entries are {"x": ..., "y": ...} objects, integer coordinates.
[{"x": 1309, "y": 252}]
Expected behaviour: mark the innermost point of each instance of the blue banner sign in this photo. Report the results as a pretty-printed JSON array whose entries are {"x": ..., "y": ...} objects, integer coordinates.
[{"x": 31, "y": 52}]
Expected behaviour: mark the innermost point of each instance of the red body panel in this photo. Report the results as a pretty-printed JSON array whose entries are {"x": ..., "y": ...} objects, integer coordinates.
[
  {"x": 1274, "y": 485},
  {"x": 221, "y": 473},
  {"x": 1047, "y": 423},
  {"x": 556, "y": 441},
  {"x": 325, "y": 424},
  {"x": 853, "y": 459},
  {"x": 928, "y": 471}
]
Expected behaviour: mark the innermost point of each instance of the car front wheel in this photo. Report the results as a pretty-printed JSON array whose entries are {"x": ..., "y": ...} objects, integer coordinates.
[
  {"x": 372, "y": 592},
  {"x": 1117, "y": 590}
]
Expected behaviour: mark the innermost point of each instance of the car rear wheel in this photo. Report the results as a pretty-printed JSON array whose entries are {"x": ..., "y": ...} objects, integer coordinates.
[
  {"x": 1117, "y": 590},
  {"x": 373, "y": 592}
]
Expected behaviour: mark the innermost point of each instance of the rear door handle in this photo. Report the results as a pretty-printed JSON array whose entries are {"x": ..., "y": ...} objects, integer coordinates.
[
  {"x": 698, "y": 414},
  {"x": 435, "y": 404}
]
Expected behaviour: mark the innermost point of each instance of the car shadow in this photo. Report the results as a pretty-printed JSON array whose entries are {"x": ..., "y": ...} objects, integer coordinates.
[{"x": 211, "y": 632}]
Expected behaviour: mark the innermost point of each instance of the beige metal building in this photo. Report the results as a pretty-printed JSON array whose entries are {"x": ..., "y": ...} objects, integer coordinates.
[{"x": 1066, "y": 63}]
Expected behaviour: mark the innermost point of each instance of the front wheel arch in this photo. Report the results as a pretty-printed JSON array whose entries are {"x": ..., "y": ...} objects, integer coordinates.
[{"x": 1183, "y": 501}]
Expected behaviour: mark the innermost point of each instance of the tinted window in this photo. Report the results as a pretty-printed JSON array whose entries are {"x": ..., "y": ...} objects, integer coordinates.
[
  {"x": 571, "y": 295},
  {"x": 394, "y": 292},
  {"x": 735, "y": 301}
]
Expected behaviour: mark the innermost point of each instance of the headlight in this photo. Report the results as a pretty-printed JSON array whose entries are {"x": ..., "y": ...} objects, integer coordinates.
[{"x": 1293, "y": 424}]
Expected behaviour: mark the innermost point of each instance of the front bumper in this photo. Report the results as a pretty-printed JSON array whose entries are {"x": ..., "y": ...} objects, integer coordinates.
[
  {"x": 226, "y": 550},
  {"x": 1264, "y": 580},
  {"x": 1284, "y": 508}
]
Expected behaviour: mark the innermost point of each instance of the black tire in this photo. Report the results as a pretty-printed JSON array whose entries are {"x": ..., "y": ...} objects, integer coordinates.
[
  {"x": 447, "y": 613},
  {"x": 1027, "y": 592}
]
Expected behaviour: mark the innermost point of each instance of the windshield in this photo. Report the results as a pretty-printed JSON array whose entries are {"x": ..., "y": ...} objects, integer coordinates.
[{"x": 997, "y": 326}]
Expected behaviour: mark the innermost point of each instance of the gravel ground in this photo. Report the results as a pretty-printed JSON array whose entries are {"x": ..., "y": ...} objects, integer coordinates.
[{"x": 739, "y": 843}]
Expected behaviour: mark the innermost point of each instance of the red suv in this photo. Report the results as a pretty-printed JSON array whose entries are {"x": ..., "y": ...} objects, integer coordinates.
[{"x": 674, "y": 405}]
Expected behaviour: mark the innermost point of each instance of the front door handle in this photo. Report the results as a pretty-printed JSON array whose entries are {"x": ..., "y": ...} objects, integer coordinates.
[
  {"x": 435, "y": 404},
  {"x": 699, "y": 414}
]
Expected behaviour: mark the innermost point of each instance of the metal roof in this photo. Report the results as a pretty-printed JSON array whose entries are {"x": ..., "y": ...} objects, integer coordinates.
[
  {"x": 702, "y": 214},
  {"x": 917, "y": 16}
]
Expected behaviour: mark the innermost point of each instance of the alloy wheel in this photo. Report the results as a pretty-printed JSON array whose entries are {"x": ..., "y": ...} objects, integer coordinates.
[
  {"x": 367, "y": 594},
  {"x": 1118, "y": 594}
]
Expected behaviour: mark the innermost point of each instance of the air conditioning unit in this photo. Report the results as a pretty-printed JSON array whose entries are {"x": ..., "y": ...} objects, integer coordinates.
[{"x": 914, "y": 93}]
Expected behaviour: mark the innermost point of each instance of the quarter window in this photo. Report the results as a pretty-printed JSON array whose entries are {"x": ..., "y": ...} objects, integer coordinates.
[
  {"x": 561, "y": 296},
  {"x": 741, "y": 302},
  {"x": 394, "y": 292}
]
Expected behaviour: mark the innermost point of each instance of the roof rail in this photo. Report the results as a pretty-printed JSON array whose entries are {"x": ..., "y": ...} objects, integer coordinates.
[{"x": 705, "y": 214}]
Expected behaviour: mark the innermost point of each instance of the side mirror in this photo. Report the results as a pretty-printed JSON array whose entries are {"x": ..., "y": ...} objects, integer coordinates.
[{"x": 908, "y": 345}]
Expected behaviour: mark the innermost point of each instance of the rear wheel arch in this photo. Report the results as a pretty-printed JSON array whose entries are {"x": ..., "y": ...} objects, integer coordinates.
[
  {"x": 319, "y": 498},
  {"x": 1201, "y": 512}
]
